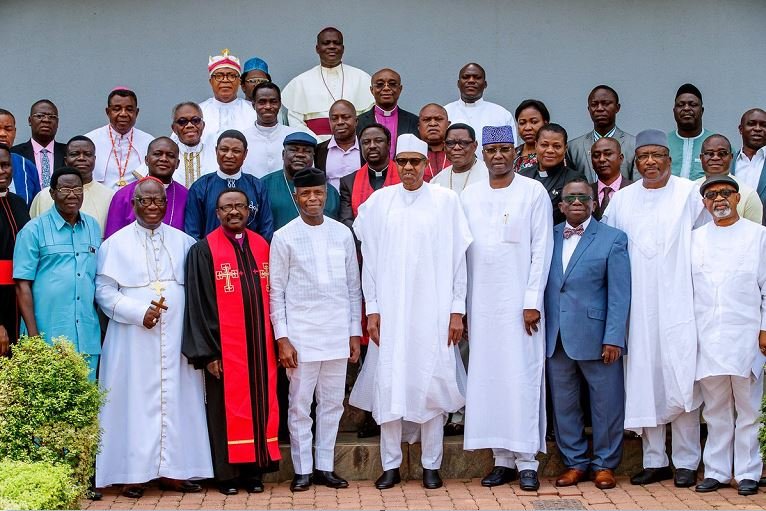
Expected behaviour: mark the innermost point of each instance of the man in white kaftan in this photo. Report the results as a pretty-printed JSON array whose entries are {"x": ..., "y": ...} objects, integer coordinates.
[
  {"x": 413, "y": 237},
  {"x": 658, "y": 214},
  {"x": 154, "y": 417},
  {"x": 510, "y": 219},
  {"x": 729, "y": 275}
]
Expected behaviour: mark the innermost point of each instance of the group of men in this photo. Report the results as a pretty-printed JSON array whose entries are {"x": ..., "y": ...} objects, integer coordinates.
[{"x": 632, "y": 267}]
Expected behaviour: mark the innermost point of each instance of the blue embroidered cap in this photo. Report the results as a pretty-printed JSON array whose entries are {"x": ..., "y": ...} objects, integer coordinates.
[
  {"x": 255, "y": 64},
  {"x": 496, "y": 135}
]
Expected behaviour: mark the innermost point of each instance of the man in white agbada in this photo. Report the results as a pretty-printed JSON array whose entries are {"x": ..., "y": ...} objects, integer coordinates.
[
  {"x": 225, "y": 111},
  {"x": 414, "y": 238},
  {"x": 316, "y": 310},
  {"x": 309, "y": 96},
  {"x": 658, "y": 214},
  {"x": 511, "y": 221},
  {"x": 197, "y": 157},
  {"x": 729, "y": 274},
  {"x": 472, "y": 109},
  {"x": 120, "y": 146},
  {"x": 154, "y": 417},
  {"x": 460, "y": 145}
]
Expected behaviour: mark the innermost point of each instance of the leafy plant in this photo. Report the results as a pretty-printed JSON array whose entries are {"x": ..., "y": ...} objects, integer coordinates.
[
  {"x": 762, "y": 431},
  {"x": 37, "y": 486}
]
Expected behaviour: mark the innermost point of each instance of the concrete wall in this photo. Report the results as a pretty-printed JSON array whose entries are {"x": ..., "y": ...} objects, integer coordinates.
[{"x": 74, "y": 52}]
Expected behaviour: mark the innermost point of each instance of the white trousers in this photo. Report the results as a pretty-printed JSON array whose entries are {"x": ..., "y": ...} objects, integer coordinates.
[
  {"x": 685, "y": 442},
  {"x": 326, "y": 379},
  {"x": 431, "y": 443},
  {"x": 732, "y": 409},
  {"x": 518, "y": 460}
]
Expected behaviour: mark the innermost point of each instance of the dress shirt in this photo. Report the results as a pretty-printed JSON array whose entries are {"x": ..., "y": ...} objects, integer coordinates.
[
  {"x": 341, "y": 163},
  {"x": 389, "y": 119},
  {"x": 749, "y": 171},
  {"x": 569, "y": 246},
  {"x": 37, "y": 148},
  {"x": 614, "y": 186}
]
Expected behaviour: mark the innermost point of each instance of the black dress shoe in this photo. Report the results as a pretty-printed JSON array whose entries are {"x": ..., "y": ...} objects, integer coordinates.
[
  {"x": 227, "y": 487},
  {"x": 133, "y": 491},
  {"x": 388, "y": 479},
  {"x": 528, "y": 480},
  {"x": 301, "y": 482},
  {"x": 330, "y": 479},
  {"x": 685, "y": 478},
  {"x": 652, "y": 475},
  {"x": 179, "y": 486},
  {"x": 94, "y": 494},
  {"x": 747, "y": 487},
  {"x": 431, "y": 479},
  {"x": 762, "y": 482},
  {"x": 253, "y": 485},
  {"x": 500, "y": 475},
  {"x": 707, "y": 485}
]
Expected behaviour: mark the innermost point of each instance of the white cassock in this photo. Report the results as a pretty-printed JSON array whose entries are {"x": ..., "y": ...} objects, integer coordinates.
[
  {"x": 478, "y": 114},
  {"x": 309, "y": 96},
  {"x": 196, "y": 161},
  {"x": 659, "y": 366},
  {"x": 729, "y": 271},
  {"x": 316, "y": 302},
  {"x": 457, "y": 182},
  {"x": 118, "y": 161},
  {"x": 264, "y": 148},
  {"x": 154, "y": 417},
  {"x": 414, "y": 276},
  {"x": 238, "y": 114},
  {"x": 508, "y": 265}
]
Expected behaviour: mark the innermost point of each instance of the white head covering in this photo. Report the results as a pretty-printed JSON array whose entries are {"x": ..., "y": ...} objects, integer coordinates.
[{"x": 409, "y": 143}]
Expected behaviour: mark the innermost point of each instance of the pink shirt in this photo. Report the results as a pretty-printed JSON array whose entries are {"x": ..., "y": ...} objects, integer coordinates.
[
  {"x": 614, "y": 186},
  {"x": 341, "y": 163},
  {"x": 391, "y": 121},
  {"x": 37, "y": 148}
]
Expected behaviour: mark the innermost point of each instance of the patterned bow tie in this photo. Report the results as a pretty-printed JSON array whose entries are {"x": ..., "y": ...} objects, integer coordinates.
[{"x": 568, "y": 232}]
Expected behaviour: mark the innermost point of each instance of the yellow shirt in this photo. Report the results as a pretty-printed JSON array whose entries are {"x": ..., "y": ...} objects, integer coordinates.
[{"x": 95, "y": 202}]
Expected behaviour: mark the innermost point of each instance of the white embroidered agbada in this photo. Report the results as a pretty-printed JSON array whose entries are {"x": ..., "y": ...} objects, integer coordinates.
[
  {"x": 126, "y": 155},
  {"x": 414, "y": 276},
  {"x": 457, "y": 182},
  {"x": 659, "y": 364},
  {"x": 508, "y": 264},
  {"x": 196, "y": 161},
  {"x": 264, "y": 148},
  {"x": 238, "y": 114},
  {"x": 478, "y": 114},
  {"x": 154, "y": 417}
]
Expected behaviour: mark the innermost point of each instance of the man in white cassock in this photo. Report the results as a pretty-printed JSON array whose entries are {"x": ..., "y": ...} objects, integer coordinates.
[
  {"x": 414, "y": 237},
  {"x": 316, "y": 310},
  {"x": 309, "y": 96},
  {"x": 729, "y": 274},
  {"x": 511, "y": 221},
  {"x": 658, "y": 214},
  {"x": 153, "y": 421}
]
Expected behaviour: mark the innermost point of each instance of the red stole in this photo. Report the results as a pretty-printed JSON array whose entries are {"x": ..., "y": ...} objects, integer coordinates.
[
  {"x": 231, "y": 314},
  {"x": 362, "y": 188},
  {"x": 320, "y": 126}
]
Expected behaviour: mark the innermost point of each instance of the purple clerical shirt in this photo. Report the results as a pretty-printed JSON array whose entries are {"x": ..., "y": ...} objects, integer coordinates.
[
  {"x": 391, "y": 121},
  {"x": 121, "y": 210}
]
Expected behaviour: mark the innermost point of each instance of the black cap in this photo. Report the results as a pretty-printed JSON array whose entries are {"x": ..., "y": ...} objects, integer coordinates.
[
  {"x": 310, "y": 176},
  {"x": 716, "y": 179},
  {"x": 689, "y": 88}
]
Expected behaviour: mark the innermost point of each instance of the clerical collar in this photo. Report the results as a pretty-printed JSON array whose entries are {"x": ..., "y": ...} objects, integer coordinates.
[
  {"x": 195, "y": 149},
  {"x": 551, "y": 171},
  {"x": 222, "y": 104},
  {"x": 386, "y": 113},
  {"x": 336, "y": 69},
  {"x": 266, "y": 129},
  {"x": 227, "y": 177},
  {"x": 4, "y": 194},
  {"x": 377, "y": 173},
  {"x": 145, "y": 230},
  {"x": 475, "y": 104}
]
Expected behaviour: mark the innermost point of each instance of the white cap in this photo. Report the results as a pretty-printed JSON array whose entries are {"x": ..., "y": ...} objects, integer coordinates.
[{"x": 409, "y": 143}]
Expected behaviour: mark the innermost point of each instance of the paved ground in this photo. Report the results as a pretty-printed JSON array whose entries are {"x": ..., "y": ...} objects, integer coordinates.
[{"x": 456, "y": 494}]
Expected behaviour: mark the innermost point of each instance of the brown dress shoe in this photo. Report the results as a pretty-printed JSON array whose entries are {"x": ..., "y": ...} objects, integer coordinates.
[
  {"x": 570, "y": 477},
  {"x": 604, "y": 479}
]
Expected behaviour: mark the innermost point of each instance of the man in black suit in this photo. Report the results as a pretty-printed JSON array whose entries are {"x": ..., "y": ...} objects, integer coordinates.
[
  {"x": 606, "y": 158},
  {"x": 341, "y": 155},
  {"x": 386, "y": 88},
  {"x": 42, "y": 149}
]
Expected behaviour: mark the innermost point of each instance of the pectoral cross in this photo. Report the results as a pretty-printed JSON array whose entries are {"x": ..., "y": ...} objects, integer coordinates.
[
  {"x": 264, "y": 274},
  {"x": 228, "y": 274},
  {"x": 157, "y": 287}
]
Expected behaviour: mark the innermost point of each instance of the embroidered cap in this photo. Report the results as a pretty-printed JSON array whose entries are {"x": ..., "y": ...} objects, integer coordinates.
[
  {"x": 223, "y": 60},
  {"x": 255, "y": 64},
  {"x": 496, "y": 135}
]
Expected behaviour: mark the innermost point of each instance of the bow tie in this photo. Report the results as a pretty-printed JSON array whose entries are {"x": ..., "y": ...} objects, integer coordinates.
[{"x": 568, "y": 232}]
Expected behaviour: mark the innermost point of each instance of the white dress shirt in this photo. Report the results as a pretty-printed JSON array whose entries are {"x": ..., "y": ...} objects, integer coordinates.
[
  {"x": 749, "y": 170},
  {"x": 569, "y": 246}
]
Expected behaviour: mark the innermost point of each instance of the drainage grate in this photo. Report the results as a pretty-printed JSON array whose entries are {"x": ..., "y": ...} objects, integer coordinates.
[{"x": 557, "y": 504}]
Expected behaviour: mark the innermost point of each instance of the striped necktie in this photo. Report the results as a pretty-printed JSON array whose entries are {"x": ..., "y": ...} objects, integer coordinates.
[{"x": 46, "y": 167}]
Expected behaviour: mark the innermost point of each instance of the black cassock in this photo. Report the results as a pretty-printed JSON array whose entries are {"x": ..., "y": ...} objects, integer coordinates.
[{"x": 13, "y": 216}]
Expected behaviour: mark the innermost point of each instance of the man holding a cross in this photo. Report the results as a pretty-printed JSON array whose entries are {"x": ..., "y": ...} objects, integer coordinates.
[{"x": 154, "y": 417}]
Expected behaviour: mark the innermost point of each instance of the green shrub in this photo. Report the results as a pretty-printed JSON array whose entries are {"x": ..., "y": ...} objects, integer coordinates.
[
  {"x": 37, "y": 486},
  {"x": 762, "y": 431},
  {"x": 49, "y": 408}
]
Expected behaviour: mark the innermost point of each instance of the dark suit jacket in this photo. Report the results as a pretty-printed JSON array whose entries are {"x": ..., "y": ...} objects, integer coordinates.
[
  {"x": 407, "y": 122},
  {"x": 587, "y": 303},
  {"x": 25, "y": 150},
  {"x": 597, "y": 211},
  {"x": 554, "y": 184},
  {"x": 320, "y": 156},
  {"x": 761, "y": 188}
]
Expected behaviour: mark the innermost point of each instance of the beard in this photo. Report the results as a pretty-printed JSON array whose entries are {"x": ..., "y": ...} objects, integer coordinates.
[{"x": 722, "y": 213}]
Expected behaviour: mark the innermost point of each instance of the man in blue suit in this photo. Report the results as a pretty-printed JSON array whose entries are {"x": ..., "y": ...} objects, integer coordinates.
[{"x": 586, "y": 304}]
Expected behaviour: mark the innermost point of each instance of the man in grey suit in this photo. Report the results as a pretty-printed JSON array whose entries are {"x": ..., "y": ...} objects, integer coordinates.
[
  {"x": 603, "y": 105},
  {"x": 587, "y": 300}
]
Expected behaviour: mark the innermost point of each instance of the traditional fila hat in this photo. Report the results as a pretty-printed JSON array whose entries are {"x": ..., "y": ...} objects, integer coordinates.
[{"x": 223, "y": 60}]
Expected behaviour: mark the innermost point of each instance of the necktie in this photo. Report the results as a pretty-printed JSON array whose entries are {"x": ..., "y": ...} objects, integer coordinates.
[
  {"x": 605, "y": 199},
  {"x": 46, "y": 167},
  {"x": 568, "y": 232}
]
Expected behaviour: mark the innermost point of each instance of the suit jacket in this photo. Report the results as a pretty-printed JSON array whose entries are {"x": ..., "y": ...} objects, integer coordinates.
[
  {"x": 346, "y": 189},
  {"x": 597, "y": 211},
  {"x": 553, "y": 185},
  {"x": 407, "y": 122},
  {"x": 587, "y": 304},
  {"x": 761, "y": 188},
  {"x": 25, "y": 149},
  {"x": 320, "y": 156},
  {"x": 578, "y": 154}
]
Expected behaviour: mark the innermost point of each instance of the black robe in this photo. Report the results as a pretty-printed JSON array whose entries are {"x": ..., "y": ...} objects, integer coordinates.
[
  {"x": 557, "y": 177},
  {"x": 202, "y": 344},
  {"x": 13, "y": 216}
]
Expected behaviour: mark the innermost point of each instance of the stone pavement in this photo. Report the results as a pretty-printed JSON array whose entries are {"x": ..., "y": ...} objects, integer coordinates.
[{"x": 456, "y": 494}]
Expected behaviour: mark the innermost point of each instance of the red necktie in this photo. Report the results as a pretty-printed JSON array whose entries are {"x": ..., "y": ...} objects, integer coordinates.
[{"x": 568, "y": 232}]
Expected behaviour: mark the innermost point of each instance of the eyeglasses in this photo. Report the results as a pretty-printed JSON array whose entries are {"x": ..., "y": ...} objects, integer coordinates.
[
  {"x": 77, "y": 190},
  {"x": 40, "y": 117},
  {"x": 228, "y": 208},
  {"x": 725, "y": 193},
  {"x": 183, "y": 121},
  {"x": 256, "y": 81},
  {"x": 382, "y": 85},
  {"x": 655, "y": 156},
  {"x": 502, "y": 150},
  {"x": 571, "y": 199},
  {"x": 148, "y": 201},
  {"x": 723, "y": 153},
  {"x": 461, "y": 143},
  {"x": 229, "y": 77},
  {"x": 402, "y": 162}
]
